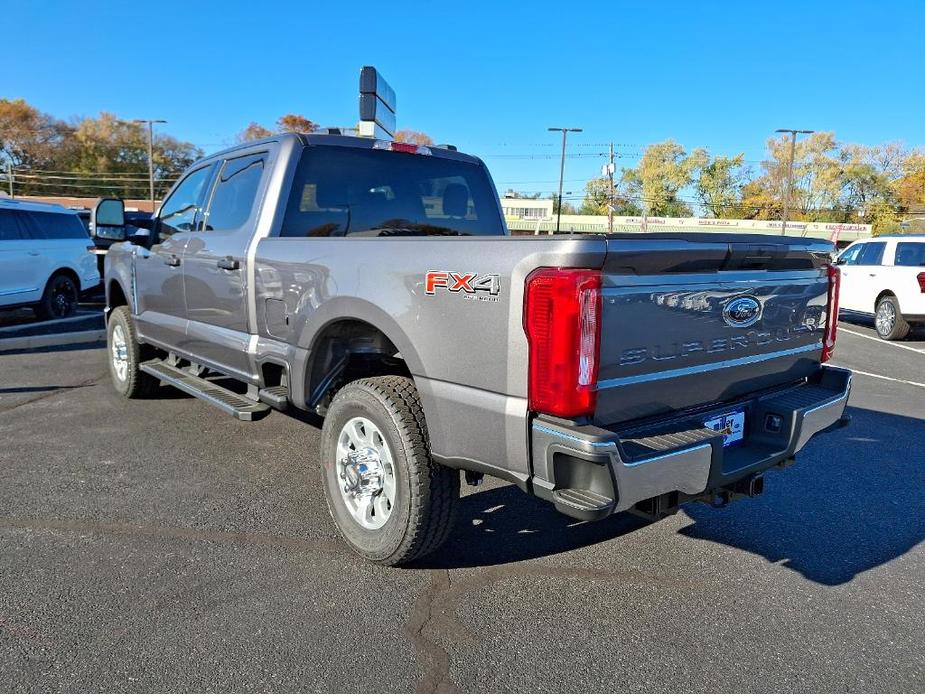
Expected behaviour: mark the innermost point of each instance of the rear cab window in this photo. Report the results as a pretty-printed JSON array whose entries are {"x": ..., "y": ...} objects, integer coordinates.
[{"x": 350, "y": 191}]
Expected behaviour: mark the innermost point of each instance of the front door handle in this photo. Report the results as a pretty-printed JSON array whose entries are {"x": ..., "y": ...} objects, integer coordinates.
[
  {"x": 173, "y": 261},
  {"x": 872, "y": 274},
  {"x": 228, "y": 263}
]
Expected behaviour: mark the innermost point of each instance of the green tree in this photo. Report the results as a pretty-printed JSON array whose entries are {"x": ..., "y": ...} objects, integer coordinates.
[
  {"x": 664, "y": 170},
  {"x": 719, "y": 186},
  {"x": 597, "y": 200},
  {"x": 567, "y": 207}
]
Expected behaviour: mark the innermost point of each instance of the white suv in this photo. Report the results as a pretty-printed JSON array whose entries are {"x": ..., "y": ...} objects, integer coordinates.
[
  {"x": 884, "y": 277},
  {"x": 45, "y": 258}
]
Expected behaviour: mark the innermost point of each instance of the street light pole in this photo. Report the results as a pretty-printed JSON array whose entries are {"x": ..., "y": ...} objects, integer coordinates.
[
  {"x": 150, "y": 124},
  {"x": 793, "y": 147},
  {"x": 565, "y": 132}
]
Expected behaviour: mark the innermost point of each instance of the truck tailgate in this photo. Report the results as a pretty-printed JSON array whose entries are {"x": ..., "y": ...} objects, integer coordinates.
[{"x": 703, "y": 318}]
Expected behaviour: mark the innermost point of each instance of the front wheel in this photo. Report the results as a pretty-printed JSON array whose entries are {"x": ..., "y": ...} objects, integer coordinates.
[
  {"x": 889, "y": 321},
  {"x": 391, "y": 502},
  {"x": 125, "y": 356}
]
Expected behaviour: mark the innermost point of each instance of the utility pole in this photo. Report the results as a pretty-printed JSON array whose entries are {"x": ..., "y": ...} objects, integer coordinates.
[
  {"x": 565, "y": 132},
  {"x": 150, "y": 124},
  {"x": 610, "y": 171},
  {"x": 9, "y": 176},
  {"x": 793, "y": 147}
]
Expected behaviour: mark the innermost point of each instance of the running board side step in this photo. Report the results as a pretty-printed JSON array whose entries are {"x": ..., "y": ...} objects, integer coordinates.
[
  {"x": 276, "y": 397},
  {"x": 237, "y": 405}
]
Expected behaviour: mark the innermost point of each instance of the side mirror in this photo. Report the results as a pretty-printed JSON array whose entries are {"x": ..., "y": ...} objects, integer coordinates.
[{"x": 107, "y": 219}]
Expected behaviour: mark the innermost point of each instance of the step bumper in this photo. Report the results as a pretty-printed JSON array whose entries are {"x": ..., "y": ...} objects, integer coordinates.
[{"x": 612, "y": 470}]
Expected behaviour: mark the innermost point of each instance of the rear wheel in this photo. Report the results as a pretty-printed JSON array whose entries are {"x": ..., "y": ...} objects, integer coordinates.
[
  {"x": 59, "y": 299},
  {"x": 391, "y": 502},
  {"x": 889, "y": 320},
  {"x": 126, "y": 355}
]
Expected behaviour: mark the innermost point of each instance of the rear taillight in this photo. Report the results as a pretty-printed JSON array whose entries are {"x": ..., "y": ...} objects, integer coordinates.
[
  {"x": 831, "y": 314},
  {"x": 562, "y": 319},
  {"x": 921, "y": 278}
]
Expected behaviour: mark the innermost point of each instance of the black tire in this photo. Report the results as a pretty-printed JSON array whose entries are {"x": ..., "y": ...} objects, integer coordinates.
[
  {"x": 890, "y": 325},
  {"x": 133, "y": 383},
  {"x": 426, "y": 493},
  {"x": 60, "y": 298}
]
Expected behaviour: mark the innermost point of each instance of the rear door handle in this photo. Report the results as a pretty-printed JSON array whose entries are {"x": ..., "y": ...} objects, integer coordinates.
[
  {"x": 228, "y": 263},
  {"x": 173, "y": 261},
  {"x": 872, "y": 274},
  {"x": 34, "y": 253}
]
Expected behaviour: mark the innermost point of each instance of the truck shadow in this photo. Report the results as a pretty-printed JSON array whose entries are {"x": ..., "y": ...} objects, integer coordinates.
[{"x": 853, "y": 502}]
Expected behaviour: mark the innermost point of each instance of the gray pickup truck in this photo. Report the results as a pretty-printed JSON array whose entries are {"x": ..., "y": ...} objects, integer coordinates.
[{"x": 375, "y": 284}]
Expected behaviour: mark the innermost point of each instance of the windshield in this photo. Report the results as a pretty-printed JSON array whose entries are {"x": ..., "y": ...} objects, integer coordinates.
[{"x": 341, "y": 191}]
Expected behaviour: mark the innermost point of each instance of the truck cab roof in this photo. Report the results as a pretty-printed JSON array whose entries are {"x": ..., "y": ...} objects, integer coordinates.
[{"x": 319, "y": 139}]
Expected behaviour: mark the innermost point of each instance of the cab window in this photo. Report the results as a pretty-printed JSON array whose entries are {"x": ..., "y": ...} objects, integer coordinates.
[
  {"x": 235, "y": 193},
  {"x": 850, "y": 256},
  {"x": 179, "y": 211},
  {"x": 871, "y": 254},
  {"x": 910, "y": 253},
  {"x": 9, "y": 226},
  {"x": 53, "y": 225}
]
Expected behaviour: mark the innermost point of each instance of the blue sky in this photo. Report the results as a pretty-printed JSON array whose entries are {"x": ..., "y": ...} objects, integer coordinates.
[{"x": 489, "y": 77}]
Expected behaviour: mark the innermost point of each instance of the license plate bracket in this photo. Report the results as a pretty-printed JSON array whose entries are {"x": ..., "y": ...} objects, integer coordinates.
[{"x": 731, "y": 425}]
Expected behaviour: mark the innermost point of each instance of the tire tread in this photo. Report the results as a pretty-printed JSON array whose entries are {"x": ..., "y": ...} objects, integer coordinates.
[{"x": 434, "y": 487}]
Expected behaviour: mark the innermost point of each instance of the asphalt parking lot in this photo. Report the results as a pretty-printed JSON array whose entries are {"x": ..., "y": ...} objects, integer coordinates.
[{"x": 162, "y": 546}]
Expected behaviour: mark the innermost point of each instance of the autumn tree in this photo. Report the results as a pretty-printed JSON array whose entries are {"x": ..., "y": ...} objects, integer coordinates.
[
  {"x": 253, "y": 131},
  {"x": 90, "y": 157},
  {"x": 414, "y": 137},
  {"x": 295, "y": 123},
  {"x": 910, "y": 186},
  {"x": 28, "y": 137}
]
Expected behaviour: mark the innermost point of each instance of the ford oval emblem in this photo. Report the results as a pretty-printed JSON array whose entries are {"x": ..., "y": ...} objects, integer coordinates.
[{"x": 742, "y": 312}]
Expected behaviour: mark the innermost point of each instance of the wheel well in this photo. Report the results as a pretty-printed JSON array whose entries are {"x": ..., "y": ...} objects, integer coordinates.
[
  {"x": 65, "y": 271},
  {"x": 115, "y": 296},
  {"x": 345, "y": 351},
  {"x": 885, "y": 292}
]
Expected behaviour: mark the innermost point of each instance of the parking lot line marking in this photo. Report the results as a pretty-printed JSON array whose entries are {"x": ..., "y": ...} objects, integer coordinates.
[
  {"x": 886, "y": 342},
  {"x": 885, "y": 378}
]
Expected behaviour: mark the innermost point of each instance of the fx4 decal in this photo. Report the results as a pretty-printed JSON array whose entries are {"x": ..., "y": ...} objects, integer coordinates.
[{"x": 469, "y": 283}]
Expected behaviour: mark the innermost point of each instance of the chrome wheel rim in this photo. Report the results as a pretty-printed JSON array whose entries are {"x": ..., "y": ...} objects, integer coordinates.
[
  {"x": 886, "y": 318},
  {"x": 365, "y": 473},
  {"x": 119, "y": 352}
]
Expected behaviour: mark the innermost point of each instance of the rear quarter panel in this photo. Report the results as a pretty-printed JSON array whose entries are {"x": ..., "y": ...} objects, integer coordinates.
[{"x": 467, "y": 352}]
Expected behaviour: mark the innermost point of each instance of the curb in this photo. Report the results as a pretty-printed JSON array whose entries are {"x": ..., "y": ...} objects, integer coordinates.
[
  {"x": 81, "y": 315},
  {"x": 15, "y": 344}
]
